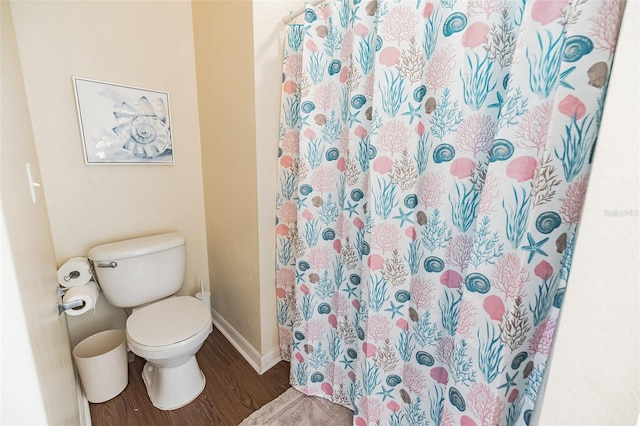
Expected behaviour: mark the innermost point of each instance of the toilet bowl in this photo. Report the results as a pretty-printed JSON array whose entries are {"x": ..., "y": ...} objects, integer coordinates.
[
  {"x": 166, "y": 330},
  {"x": 167, "y": 334}
]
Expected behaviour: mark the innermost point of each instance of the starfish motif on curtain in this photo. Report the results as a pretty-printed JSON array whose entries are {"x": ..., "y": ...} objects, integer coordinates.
[
  {"x": 511, "y": 381},
  {"x": 412, "y": 113},
  {"x": 534, "y": 247}
]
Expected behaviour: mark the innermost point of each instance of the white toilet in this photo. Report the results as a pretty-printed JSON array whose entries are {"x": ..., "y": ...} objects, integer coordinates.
[{"x": 142, "y": 274}]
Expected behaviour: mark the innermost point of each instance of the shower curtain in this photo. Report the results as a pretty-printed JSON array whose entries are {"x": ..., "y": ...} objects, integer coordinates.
[{"x": 433, "y": 161}]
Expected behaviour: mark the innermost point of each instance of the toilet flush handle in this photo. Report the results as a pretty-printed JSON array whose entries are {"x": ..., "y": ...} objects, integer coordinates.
[{"x": 108, "y": 265}]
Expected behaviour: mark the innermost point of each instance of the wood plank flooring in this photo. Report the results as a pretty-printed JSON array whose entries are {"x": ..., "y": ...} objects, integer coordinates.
[{"x": 232, "y": 392}]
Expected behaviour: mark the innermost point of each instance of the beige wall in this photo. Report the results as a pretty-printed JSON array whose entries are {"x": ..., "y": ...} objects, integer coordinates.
[
  {"x": 144, "y": 44},
  {"x": 224, "y": 62},
  {"x": 38, "y": 385}
]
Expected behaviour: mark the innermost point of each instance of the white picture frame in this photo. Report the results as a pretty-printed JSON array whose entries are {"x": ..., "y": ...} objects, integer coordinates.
[{"x": 123, "y": 124}]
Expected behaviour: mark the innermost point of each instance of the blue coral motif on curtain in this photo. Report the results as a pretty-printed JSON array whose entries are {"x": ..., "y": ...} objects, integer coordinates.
[{"x": 433, "y": 161}]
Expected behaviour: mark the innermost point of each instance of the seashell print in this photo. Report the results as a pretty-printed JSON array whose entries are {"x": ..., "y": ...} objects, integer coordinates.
[
  {"x": 494, "y": 306},
  {"x": 451, "y": 279},
  {"x": 303, "y": 266},
  {"x": 383, "y": 165},
  {"x": 314, "y": 278},
  {"x": 324, "y": 308},
  {"x": 440, "y": 375},
  {"x": 328, "y": 234},
  {"x": 305, "y": 189},
  {"x": 527, "y": 416},
  {"x": 328, "y": 389},
  {"x": 543, "y": 270},
  {"x": 357, "y": 195},
  {"x": 354, "y": 279},
  {"x": 307, "y": 107},
  {"x": 430, "y": 105},
  {"x": 358, "y": 101},
  {"x": 405, "y": 396},
  {"x": 332, "y": 154},
  {"x": 513, "y": 395},
  {"x": 424, "y": 358},
  {"x": 334, "y": 67},
  {"x": 575, "y": 47},
  {"x": 443, "y": 153},
  {"x": 527, "y": 369},
  {"x": 433, "y": 264},
  {"x": 413, "y": 315},
  {"x": 393, "y": 380},
  {"x": 143, "y": 135},
  {"x": 317, "y": 377},
  {"x": 518, "y": 359},
  {"x": 501, "y": 150},
  {"x": 547, "y": 222},
  {"x": 475, "y": 34},
  {"x": 379, "y": 43},
  {"x": 597, "y": 74},
  {"x": 389, "y": 56},
  {"x": 368, "y": 113},
  {"x": 546, "y": 11},
  {"x": 522, "y": 168},
  {"x": 310, "y": 16},
  {"x": 561, "y": 242},
  {"x": 298, "y": 335},
  {"x": 320, "y": 119},
  {"x": 455, "y": 23},
  {"x": 421, "y": 217},
  {"x": 317, "y": 201},
  {"x": 410, "y": 201},
  {"x": 360, "y": 333},
  {"x": 371, "y": 8},
  {"x": 419, "y": 93},
  {"x": 403, "y": 296},
  {"x": 456, "y": 399},
  {"x": 322, "y": 31},
  {"x": 372, "y": 152},
  {"x": 477, "y": 283},
  {"x": 365, "y": 248},
  {"x": 308, "y": 348},
  {"x": 462, "y": 167},
  {"x": 572, "y": 107}
]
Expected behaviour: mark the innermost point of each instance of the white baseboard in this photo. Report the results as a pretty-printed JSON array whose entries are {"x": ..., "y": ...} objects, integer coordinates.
[{"x": 260, "y": 363}]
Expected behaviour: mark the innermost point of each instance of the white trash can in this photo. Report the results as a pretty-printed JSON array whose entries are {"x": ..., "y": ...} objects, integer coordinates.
[{"x": 101, "y": 360}]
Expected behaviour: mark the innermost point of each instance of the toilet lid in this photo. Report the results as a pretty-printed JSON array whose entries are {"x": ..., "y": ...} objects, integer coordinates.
[{"x": 168, "y": 321}]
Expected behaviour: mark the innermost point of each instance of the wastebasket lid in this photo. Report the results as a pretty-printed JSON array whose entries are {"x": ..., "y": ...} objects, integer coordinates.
[{"x": 168, "y": 321}]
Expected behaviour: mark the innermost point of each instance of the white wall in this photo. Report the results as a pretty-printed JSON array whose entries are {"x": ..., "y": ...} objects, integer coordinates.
[
  {"x": 137, "y": 43},
  {"x": 594, "y": 371}
]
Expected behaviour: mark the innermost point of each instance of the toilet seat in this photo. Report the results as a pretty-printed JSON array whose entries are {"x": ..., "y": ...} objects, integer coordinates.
[{"x": 169, "y": 323}]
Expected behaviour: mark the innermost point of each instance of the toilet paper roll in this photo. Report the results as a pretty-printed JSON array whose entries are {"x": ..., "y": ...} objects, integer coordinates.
[
  {"x": 74, "y": 272},
  {"x": 87, "y": 293}
]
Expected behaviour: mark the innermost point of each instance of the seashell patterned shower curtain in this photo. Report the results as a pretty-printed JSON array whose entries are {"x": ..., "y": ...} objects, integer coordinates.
[{"x": 433, "y": 161}]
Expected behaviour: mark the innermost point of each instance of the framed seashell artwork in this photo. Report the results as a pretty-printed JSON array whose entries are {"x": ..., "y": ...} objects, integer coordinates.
[{"x": 121, "y": 124}]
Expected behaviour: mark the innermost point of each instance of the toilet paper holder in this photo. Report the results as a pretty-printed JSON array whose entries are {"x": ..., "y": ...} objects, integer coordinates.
[{"x": 74, "y": 304}]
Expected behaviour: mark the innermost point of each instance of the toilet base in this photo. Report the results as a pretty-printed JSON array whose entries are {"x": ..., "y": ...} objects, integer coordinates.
[{"x": 170, "y": 388}]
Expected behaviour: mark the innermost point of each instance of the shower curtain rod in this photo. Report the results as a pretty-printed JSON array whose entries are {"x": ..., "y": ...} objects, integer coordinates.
[{"x": 286, "y": 19}]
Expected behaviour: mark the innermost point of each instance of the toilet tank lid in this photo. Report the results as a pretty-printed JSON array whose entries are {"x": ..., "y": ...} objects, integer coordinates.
[{"x": 136, "y": 247}]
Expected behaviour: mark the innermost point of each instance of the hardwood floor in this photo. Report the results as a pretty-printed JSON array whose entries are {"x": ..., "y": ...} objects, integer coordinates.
[{"x": 232, "y": 392}]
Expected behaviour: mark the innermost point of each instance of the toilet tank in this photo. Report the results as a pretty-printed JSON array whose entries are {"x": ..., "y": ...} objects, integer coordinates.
[{"x": 140, "y": 270}]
